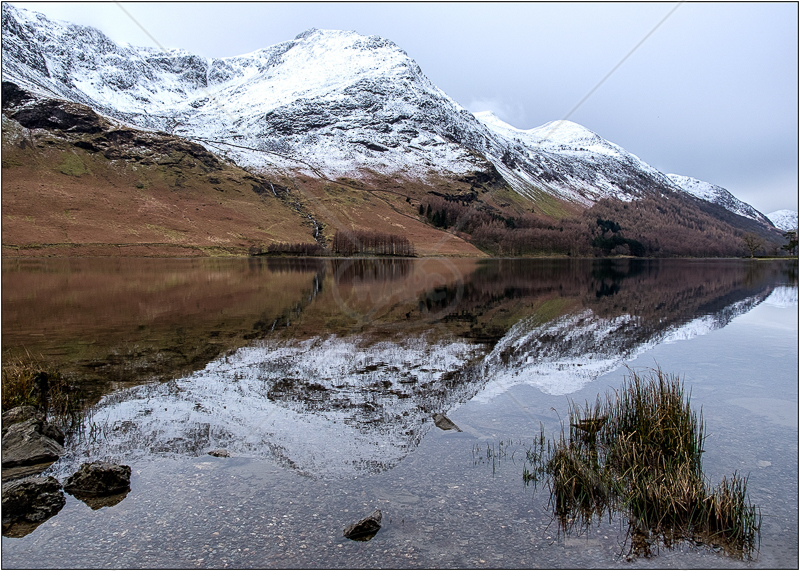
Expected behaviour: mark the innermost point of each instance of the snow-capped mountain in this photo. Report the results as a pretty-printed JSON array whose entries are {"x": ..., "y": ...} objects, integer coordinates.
[
  {"x": 717, "y": 195},
  {"x": 784, "y": 219},
  {"x": 332, "y": 99},
  {"x": 328, "y": 103}
]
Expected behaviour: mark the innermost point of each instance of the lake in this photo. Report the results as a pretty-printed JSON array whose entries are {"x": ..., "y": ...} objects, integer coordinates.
[{"x": 321, "y": 377}]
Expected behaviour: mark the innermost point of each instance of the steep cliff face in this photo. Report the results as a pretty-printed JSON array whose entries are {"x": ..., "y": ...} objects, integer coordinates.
[
  {"x": 338, "y": 101},
  {"x": 328, "y": 102}
]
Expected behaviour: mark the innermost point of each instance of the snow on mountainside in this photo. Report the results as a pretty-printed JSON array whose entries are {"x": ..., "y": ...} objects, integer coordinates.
[
  {"x": 573, "y": 162},
  {"x": 337, "y": 100},
  {"x": 329, "y": 103},
  {"x": 717, "y": 195},
  {"x": 784, "y": 219}
]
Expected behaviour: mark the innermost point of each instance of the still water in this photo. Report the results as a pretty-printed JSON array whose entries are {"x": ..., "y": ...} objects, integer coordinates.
[{"x": 321, "y": 378}]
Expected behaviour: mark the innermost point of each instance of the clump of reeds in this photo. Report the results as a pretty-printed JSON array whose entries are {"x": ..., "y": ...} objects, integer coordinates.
[
  {"x": 639, "y": 452},
  {"x": 27, "y": 381}
]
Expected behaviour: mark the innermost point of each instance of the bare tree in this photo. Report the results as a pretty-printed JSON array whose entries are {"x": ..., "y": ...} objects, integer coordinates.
[{"x": 752, "y": 242}]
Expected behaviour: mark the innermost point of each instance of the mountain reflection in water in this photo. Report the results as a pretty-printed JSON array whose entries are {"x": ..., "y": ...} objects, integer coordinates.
[{"x": 345, "y": 377}]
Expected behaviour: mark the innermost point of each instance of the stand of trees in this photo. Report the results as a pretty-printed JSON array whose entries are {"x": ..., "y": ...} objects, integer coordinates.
[
  {"x": 375, "y": 243},
  {"x": 791, "y": 242}
]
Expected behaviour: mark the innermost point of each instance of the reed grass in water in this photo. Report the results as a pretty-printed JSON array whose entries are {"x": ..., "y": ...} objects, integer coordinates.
[{"x": 638, "y": 452}]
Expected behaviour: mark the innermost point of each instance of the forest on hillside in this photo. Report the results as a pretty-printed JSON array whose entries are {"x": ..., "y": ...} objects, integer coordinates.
[{"x": 656, "y": 226}]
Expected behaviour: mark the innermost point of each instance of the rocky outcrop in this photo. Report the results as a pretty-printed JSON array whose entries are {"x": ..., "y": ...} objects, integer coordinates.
[
  {"x": 98, "y": 479},
  {"x": 28, "y": 503},
  {"x": 86, "y": 129},
  {"x": 19, "y": 414},
  {"x": 33, "y": 441},
  {"x": 60, "y": 115}
]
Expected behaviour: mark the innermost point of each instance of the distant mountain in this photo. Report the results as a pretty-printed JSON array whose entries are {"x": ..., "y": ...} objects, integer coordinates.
[
  {"x": 784, "y": 219},
  {"x": 717, "y": 195},
  {"x": 333, "y": 106}
]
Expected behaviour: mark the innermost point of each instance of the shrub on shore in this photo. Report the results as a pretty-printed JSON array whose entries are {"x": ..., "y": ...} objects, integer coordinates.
[{"x": 27, "y": 381}]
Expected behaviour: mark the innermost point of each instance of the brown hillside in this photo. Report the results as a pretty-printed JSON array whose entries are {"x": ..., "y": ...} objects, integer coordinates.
[{"x": 89, "y": 187}]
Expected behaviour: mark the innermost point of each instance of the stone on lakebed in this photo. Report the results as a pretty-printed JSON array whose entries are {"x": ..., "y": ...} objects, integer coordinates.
[
  {"x": 95, "y": 479},
  {"x": 365, "y": 529}
]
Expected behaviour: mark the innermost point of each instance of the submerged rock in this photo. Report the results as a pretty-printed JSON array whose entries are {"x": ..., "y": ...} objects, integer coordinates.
[
  {"x": 219, "y": 453},
  {"x": 445, "y": 423},
  {"x": 29, "y": 502},
  {"x": 33, "y": 441},
  {"x": 365, "y": 529},
  {"x": 99, "y": 479}
]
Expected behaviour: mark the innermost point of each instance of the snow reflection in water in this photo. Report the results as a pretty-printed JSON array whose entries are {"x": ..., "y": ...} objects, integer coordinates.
[
  {"x": 336, "y": 407},
  {"x": 330, "y": 406}
]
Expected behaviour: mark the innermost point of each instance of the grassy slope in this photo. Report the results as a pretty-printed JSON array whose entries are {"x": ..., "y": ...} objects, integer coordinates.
[
  {"x": 62, "y": 200},
  {"x": 65, "y": 194}
]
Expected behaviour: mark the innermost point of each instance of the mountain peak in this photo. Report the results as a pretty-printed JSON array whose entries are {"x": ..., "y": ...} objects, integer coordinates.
[
  {"x": 784, "y": 219},
  {"x": 306, "y": 34}
]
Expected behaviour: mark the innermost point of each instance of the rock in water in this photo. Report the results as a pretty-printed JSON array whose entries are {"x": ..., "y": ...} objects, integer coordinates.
[
  {"x": 445, "y": 423},
  {"x": 95, "y": 479},
  {"x": 33, "y": 441},
  {"x": 29, "y": 502},
  {"x": 365, "y": 529},
  {"x": 219, "y": 453}
]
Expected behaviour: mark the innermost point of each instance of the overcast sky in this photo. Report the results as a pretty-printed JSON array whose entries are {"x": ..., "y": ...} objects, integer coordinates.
[{"x": 710, "y": 92}]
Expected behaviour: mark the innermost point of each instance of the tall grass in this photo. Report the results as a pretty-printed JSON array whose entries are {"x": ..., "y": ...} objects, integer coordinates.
[
  {"x": 639, "y": 452},
  {"x": 28, "y": 381}
]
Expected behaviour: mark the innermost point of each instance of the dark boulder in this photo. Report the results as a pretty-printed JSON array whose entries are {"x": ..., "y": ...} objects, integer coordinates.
[
  {"x": 219, "y": 453},
  {"x": 365, "y": 529},
  {"x": 33, "y": 441},
  {"x": 98, "y": 479},
  {"x": 29, "y": 502}
]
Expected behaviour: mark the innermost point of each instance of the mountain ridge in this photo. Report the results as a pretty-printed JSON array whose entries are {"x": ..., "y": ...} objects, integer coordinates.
[{"x": 333, "y": 106}]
